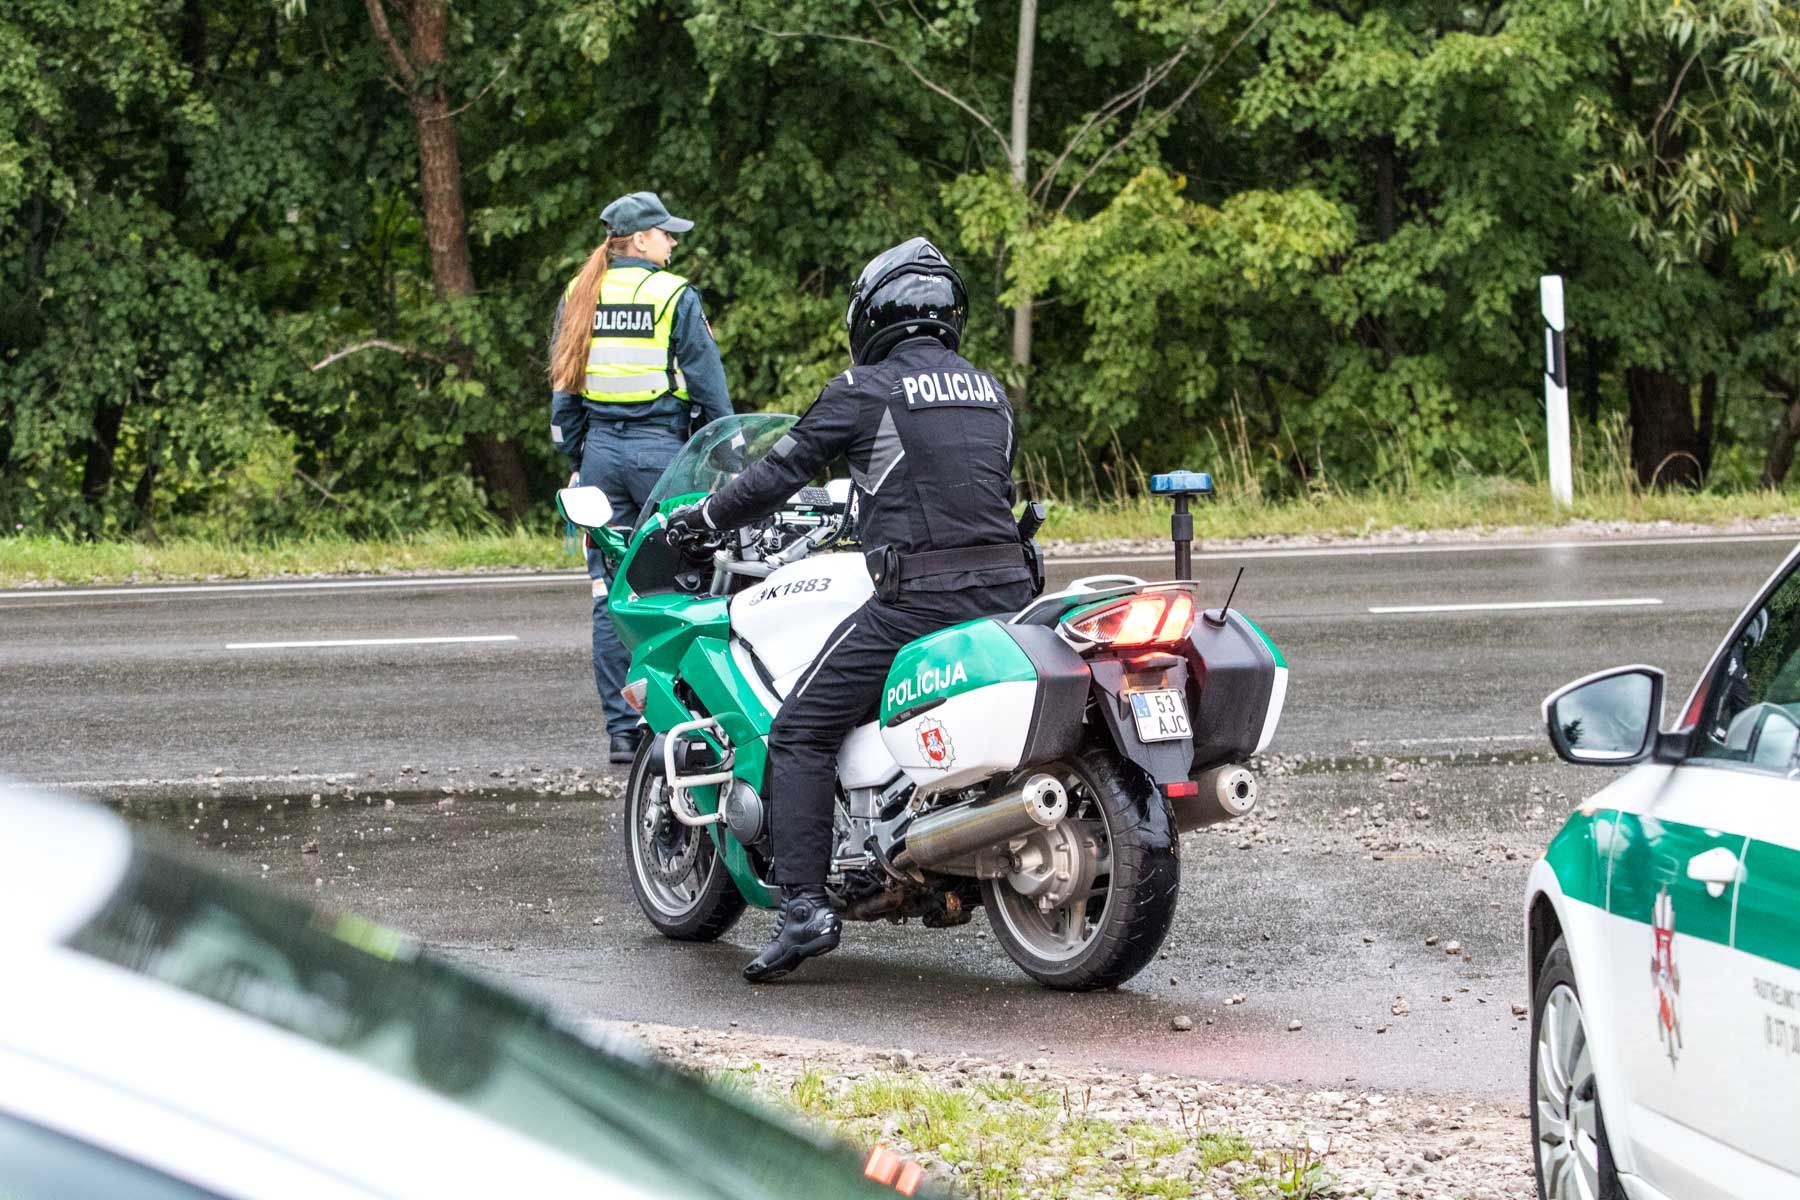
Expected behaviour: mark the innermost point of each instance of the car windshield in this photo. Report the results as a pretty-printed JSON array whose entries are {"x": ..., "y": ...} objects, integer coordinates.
[
  {"x": 718, "y": 453},
  {"x": 358, "y": 989}
]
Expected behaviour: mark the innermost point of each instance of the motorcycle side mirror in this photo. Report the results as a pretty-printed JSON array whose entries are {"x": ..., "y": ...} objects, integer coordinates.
[{"x": 584, "y": 507}]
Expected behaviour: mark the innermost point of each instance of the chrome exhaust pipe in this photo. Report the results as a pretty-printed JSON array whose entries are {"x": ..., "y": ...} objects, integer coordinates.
[
  {"x": 937, "y": 838},
  {"x": 1225, "y": 794}
]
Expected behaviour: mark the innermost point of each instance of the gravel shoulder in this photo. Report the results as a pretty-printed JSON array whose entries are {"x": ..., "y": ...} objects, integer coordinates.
[{"x": 1044, "y": 1129}]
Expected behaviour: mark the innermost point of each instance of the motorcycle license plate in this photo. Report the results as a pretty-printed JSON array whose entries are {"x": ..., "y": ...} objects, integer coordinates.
[{"x": 1161, "y": 716}]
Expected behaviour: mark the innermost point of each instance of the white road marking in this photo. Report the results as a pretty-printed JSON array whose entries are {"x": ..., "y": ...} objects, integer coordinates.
[
  {"x": 413, "y": 641},
  {"x": 1515, "y": 605},
  {"x": 319, "y": 585},
  {"x": 1472, "y": 740},
  {"x": 1436, "y": 548}
]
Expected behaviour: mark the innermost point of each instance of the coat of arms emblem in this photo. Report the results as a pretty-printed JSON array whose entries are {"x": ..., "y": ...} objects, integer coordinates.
[
  {"x": 1664, "y": 976},
  {"x": 934, "y": 744}
]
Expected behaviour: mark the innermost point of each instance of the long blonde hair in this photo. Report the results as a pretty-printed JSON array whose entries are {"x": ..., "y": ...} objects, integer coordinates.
[{"x": 568, "y": 358}]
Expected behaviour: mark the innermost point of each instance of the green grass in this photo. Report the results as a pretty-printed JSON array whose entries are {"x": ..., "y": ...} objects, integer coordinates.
[
  {"x": 1471, "y": 504},
  {"x": 1007, "y": 1139},
  {"x": 1297, "y": 1174},
  {"x": 40, "y": 559}
]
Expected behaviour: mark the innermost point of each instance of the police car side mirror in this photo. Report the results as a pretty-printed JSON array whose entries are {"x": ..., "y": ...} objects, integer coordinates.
[{"x": 1609, "y": 719}]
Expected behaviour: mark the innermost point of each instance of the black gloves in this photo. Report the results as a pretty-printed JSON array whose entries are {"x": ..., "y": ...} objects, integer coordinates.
[{"x": 690, "y": 519}]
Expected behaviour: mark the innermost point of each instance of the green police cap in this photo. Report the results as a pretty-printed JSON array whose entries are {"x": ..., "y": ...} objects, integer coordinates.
[{"x": 640, "y": 211}]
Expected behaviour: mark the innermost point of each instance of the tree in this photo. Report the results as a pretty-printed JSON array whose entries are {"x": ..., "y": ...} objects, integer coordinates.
[
  {"x": 1693, "y": 124},
  {"x": 944, "y": 56},
  {"x": 245, "y": 293},
  {"x": 419, "y": 70}
]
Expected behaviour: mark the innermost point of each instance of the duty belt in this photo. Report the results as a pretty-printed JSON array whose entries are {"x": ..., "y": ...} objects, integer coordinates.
[
  {"x": 962, "y": 558},
  {"x": 679, "y": 426}
]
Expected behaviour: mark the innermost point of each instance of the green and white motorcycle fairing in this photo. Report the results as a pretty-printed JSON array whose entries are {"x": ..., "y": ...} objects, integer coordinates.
[{"x": 1030, "y": 763}]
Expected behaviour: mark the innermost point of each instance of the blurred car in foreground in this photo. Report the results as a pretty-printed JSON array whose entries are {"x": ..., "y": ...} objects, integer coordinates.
[
  {"x": 1664, "y": 931},
  {"x": 168, "y": 1033}
]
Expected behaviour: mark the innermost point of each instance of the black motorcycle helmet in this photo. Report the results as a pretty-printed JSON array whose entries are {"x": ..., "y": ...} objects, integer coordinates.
[{"x": 908, "y": 291}]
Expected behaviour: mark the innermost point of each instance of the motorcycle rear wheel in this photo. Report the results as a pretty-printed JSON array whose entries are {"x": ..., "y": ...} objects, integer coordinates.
[
  {"x": 1106, "y": 937},
  {"x": 676, "y": 873}
]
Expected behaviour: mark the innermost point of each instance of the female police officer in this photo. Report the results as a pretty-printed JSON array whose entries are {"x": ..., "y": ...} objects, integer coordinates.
[{"x": 632, "y": 366}]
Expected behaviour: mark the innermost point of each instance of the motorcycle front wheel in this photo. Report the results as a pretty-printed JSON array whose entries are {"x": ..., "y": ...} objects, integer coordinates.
[
  {"x": 1130, "y": 867},
  {"x": 680, "y": 881}
]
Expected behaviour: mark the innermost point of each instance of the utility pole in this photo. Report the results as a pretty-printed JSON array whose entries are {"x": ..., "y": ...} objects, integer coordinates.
[{"x": 1019, "y": 162}]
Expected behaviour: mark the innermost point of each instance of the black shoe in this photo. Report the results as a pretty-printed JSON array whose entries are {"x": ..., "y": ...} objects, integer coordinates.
[
  {"x": 804, "y": 927},
  {"x": 624, "y": 747}
]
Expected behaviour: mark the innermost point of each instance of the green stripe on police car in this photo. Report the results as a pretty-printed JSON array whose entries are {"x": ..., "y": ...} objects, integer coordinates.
[{"x": 1619, "y": 862}]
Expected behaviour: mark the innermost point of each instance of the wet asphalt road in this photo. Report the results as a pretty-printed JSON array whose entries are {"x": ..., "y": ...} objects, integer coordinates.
[{"x": 1408, "y": 797}]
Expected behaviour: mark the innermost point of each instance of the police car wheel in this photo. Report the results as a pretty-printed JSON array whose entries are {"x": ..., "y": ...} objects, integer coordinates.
[
  {"x": 677, "y": 875},
  {"x": 1114, "y": 929},
  {"x": 1571, "y": 1154}
]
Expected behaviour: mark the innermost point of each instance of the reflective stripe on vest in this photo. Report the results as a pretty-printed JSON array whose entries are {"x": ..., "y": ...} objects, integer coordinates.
[{"x": 631, "y": 356}]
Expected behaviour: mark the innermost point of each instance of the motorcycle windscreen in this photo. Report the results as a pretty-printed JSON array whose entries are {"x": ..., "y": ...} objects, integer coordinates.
[{"x": 716, "y": 454}]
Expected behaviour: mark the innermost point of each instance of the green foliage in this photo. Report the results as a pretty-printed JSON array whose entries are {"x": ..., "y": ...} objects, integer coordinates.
[{"x": 1301, "y": 241}]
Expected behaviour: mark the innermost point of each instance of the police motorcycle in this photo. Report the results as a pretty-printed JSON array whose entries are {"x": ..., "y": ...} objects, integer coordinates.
[{"x": 1040, "y": 765}]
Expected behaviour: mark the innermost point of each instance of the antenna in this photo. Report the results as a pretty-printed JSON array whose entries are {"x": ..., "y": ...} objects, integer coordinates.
[{"x": 1219, "y": 620}]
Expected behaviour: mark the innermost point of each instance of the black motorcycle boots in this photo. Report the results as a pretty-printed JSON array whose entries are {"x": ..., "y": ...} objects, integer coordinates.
[
  {"x": 805, "y": 926},
  {"x": 624, "y": 746}
]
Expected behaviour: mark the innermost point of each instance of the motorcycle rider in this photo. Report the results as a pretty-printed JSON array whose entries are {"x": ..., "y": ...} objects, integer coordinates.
[{"x": 930, "y": 443}]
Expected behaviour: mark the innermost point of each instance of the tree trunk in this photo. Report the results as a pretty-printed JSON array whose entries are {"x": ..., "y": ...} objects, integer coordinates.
[
  {"x": 496, "y": 461},
  {"x": 1668, "y": 449},
  {"x": 193, "y": 56},
  {"x": 440, "y": 158},
  {"x": 142, "y": 497},
  {"x": 1787, "y": 432},
  {"x": 1021, "y": 144},
  {"x": 1709, "y": 417},
  {"x": 1588, "y": 361},
  {"x": 1296, "y": 465},
  {"x": 97, "y": 471},
  {"x": 6, "y": 445},
  {"x": 1387, "y": 188}
]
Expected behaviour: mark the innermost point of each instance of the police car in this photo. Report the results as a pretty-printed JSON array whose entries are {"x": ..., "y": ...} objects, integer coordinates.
[
  {"x": 168, "y": 1034},
  {"x": 1664, "y": 930}
]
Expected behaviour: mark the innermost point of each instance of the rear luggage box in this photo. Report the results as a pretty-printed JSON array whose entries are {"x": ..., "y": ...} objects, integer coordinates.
[
  {"x": 1239, "y": 687},
  {"x": 982, "y": 698}
]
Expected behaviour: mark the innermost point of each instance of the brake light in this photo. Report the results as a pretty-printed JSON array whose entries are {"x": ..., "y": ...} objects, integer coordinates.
[{"x": 1147, "y": 619}]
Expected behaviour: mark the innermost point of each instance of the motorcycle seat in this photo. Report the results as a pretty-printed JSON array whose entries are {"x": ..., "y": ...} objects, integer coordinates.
[{"x": 1049, "y": 608}]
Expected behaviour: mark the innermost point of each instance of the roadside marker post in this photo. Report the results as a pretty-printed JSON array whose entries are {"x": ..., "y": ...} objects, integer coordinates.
[{"x": 1556, "y": 389}]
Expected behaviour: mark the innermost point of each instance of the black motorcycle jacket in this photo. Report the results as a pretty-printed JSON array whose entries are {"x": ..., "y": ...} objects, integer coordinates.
[{"x": 929, "y": 440}]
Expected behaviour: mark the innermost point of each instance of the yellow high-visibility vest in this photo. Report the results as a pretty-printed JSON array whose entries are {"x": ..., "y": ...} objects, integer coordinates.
[{"x": 631, "y": 355}]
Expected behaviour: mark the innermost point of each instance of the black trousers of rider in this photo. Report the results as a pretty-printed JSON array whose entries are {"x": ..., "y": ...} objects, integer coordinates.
[{"x": 840, "y": 691}]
